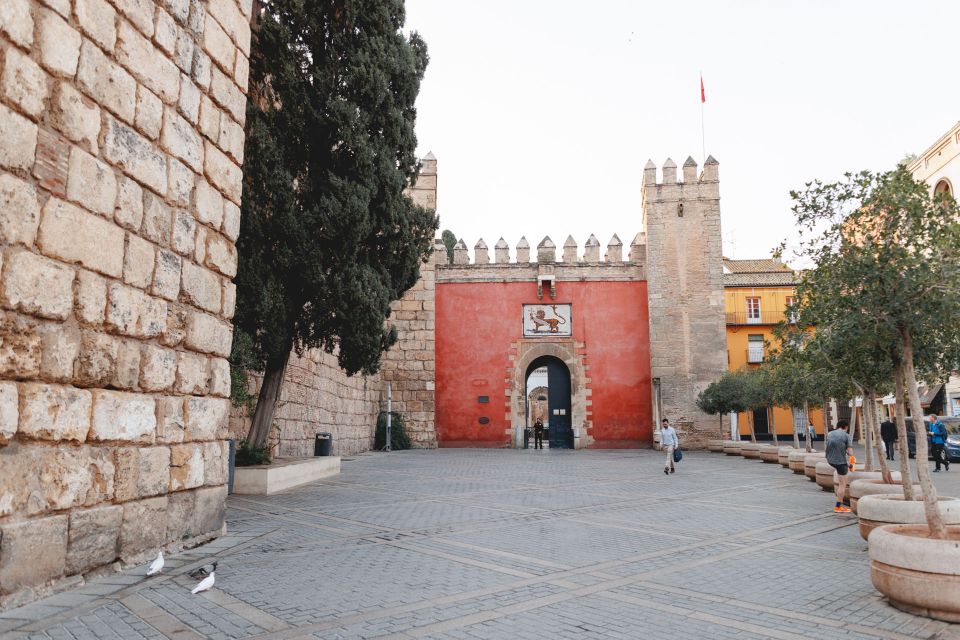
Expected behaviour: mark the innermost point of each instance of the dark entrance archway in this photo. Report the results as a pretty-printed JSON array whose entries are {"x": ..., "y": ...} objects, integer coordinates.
[{"x": 558, "y": 422}]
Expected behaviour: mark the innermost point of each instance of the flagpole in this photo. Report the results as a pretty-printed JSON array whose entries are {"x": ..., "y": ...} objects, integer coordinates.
[{"x": 703, "y": 135}]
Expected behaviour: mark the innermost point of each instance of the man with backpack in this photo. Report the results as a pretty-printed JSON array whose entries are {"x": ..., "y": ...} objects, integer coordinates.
[
  {"x": 670, "y": 442},
  {"x": 938, "y": 439}
]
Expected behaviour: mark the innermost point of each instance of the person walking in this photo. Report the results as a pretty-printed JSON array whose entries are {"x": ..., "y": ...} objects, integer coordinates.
[
  {"x": 669, "y": 442},
  {"x": 938, "y": 438},
  {"x": 538, "y": 434},
  {"x": 839, "y": 447},
  {"x": 888, "y": 433}
]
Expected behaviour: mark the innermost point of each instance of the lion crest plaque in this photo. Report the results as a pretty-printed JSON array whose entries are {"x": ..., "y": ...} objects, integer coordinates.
[{"x": 547, "y": 320}]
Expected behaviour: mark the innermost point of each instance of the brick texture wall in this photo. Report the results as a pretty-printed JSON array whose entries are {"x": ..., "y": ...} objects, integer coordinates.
[{"x": 120, "y": 180}]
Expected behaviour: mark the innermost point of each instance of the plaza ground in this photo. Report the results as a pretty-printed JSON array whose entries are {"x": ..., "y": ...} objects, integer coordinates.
[{"x": 515, "y": 545}]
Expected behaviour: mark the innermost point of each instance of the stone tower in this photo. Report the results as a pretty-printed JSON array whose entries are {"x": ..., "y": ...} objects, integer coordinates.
[{"x": 685, "y": 280}]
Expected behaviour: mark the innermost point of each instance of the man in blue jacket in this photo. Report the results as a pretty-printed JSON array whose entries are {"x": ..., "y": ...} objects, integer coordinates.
[{"x": 938, "y": 438}]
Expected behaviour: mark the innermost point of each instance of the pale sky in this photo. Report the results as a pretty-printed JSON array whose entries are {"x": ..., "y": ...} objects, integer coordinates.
[{"x": 542, "y": 113}]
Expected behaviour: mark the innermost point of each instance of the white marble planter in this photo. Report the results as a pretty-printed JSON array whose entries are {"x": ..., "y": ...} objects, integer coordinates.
[
  {"x": 750, "y": 450},
  {"x": 795, "y": 460},
  {"x": 732, "y": 447},
  {"x": 824, "y": 475},
  {"x": 890, "y": 508},
  {"x": 783, "y": 455},
  {"x": 916, "y": 573},
  {"x": 284, "y": 473},
  {"x": 770, "y": 453},
  {"x": 715, "y": 445},
  {"x": 867, "y": 487}
]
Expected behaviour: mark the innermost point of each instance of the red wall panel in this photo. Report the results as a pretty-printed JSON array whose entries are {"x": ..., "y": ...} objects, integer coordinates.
[{"x": 476, "y": 326}]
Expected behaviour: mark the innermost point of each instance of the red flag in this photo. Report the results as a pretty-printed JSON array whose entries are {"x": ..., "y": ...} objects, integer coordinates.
[{"x": 703, "y": 94}]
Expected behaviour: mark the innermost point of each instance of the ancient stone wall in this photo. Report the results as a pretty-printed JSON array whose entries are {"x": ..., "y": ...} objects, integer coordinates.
[
  {"x": 685, "y": 280},
  {"x": 121, "y": 142},
  {"x": 317, "y": 396}
]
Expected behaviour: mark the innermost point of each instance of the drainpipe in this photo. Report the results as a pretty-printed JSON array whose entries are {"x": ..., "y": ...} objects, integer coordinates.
[{"x": 657, "y": 412}]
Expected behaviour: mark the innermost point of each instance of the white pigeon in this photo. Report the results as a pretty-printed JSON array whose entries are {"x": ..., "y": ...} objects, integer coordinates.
[
  {"x": 205, "y": 584},
  {"x": 156, "y": 565}
]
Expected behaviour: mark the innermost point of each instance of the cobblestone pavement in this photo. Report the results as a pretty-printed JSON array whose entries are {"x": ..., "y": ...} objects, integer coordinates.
[{"x": 477, "y": 544}]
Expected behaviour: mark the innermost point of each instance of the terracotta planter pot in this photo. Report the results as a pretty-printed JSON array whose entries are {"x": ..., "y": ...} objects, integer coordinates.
[
  {"x": 917, "y": 574},
  {"x": 770, "y": 453},
  {"x": 750, "y": 450},
  {"x": 858, "y": 475},
  {"x": 890, "y": 508},
  {"x": 824, "y": 475},
  {"x": 867, "y": 487},
  {"x": 783, "y": 455},
  {"x": 732, "y": 447},
  {"x": 810, "y": 464},
  {"x": 795, "y": 460},
  {"x": 715, "y": 445}
]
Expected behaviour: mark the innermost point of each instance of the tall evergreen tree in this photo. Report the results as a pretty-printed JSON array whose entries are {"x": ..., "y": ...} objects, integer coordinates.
[{"x": 329, "y": 237}]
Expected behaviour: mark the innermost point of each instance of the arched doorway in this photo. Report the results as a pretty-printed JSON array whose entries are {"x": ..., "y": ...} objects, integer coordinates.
[{"x": 553, "y": 374}]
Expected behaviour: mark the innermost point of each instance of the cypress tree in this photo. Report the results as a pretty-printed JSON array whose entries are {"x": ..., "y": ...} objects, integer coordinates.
[{"x": 329, "y": 238}]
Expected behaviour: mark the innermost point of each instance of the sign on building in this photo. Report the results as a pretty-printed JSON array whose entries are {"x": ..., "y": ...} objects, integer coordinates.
[{"x": 547, "y": 320}]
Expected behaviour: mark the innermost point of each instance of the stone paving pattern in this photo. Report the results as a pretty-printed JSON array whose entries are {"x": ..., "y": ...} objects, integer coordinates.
[{"x": 477, "y": 544}]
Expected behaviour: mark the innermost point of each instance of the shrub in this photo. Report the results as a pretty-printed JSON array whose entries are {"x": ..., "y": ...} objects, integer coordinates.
[
  {"x": 249, "y": 455},
  {"x": 398, "y": 433}
]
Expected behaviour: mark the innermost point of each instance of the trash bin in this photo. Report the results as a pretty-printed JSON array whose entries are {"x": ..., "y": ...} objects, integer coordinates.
[
  {"x": 526, "y": 438},
  {"x": 321, "y": 446}
]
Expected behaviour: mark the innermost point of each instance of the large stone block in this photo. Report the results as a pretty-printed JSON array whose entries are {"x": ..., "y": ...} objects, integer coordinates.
[
  {"x": 61, "y": 346},
  {"x": 170, "y": 419},
  {"x": 229, "y": 299},
  {"x": 93, "y": 537},
  {"x": 20, "y": 347},
  {"x": 227, "y": 94},
  {"x": 217, "y": 44},
  {"x": 221, "y": 255},
  {"x": 134, "y": 313},
  {"x": 33, "y": 552},
  {"x": 210, "y": 509},
  {"x": 179, "y": 138},
  {"x": 19, "y": 211},
  {"x": 231, "y": 221},
  {"x": 91, "y": 183},
  {"x": 149, "y": 113},
  {"x": 205, "y": 417},
  {"x": 59, "y": 44},
  {"x": 144, "y": 528},
  {"x": 189, "y": 103},
  {"x": 91, "y": 297},
  {"x": 231, "y": 139},
  {"x": 209, "y": 118},
  {"x": 158, "y": 368},
  {"x": 184, "y": 233},
  {"x": 77, "y": 117},
  {"x": 39, "y": 478},
  {"x": 208, "y": 204},
  {"x": 9, "y": 411},
  {"x": 139, "y": 12},
  {"x": 207, "y": 334},
  {"x": 97, "y": 362},
  {"x": 192, "y": 373},
  {"x": 129, "y": 211},
  {"x": 38, "y": 286},
  {"x": 24, "y": 82},
  {"x": 180, "y": 508},
  {"x": 54, "y": 412},
  {"x": 186, "y": 466},
  {"x": 124, "y": 417},
  {"x": 70, "y": 234},
  {"x": 216, "y": 460},
  {"x": 142, "y": 472},
  {"x": 219, "y": 384},
  {"x": 180, "y": 181},
  {"x": 147, "y": 63},
  {"x": 97, "y": 18},
  {"x": 201, "y": 287},
  {"x": 166, "y": 278},
  {"x": 19, "y": 136},
  {"x": 106, "y": 82},
  {"x": 16, "y": 21},
  {"x": 157, "y": 220},
  {"x": 176, "y": 325},
  {"x": 165, "y": 33},
  {"x": 135, "y": 155},
  {"x": 228, "y": 14},
  {"x": 138, "y": 262},
  {"x": 128, "y": 365}
]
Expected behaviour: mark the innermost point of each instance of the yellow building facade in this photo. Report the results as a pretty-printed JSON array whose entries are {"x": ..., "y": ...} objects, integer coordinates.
[{"x": 757, "y": 294}]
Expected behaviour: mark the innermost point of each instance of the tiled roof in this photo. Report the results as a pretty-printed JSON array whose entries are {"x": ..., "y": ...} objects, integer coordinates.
[{"x": 757, "y": 273}]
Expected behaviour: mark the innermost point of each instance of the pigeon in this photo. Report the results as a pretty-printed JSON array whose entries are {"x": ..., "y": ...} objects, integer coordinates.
[
  {"x": 205, "y": 584},
  {"x": 203, "y": 572},
  {"x": 156, "y": 565}
]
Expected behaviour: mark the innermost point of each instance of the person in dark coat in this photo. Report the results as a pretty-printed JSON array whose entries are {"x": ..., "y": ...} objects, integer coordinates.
[
  {"x": 538, "y": 435},
  {"x": 888, "y": 433}
]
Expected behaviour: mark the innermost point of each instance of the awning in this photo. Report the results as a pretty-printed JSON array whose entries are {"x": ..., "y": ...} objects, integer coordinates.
[{"x": 927, "y": 395}]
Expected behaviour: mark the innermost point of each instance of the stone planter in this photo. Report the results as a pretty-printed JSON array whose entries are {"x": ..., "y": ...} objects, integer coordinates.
[
  {"x": 859, "y": 475},
  {"x": 783, "y": 455},
  {"x": 732, "y": 447},
  {"x": 890, "y": 508},
  {"x": 770, "y": 453},
  {"x": 750, "y": 450},
  {"x": 917, "y": 574},
  {"x": 810, "y": 461},
  {"x": 715, "y": 445},
  {"x": 824, "y": 475},
  {"x": 867, "y": 487},
  {"x": 795, "y": 460},
  {"x": 284, "y": 473}
]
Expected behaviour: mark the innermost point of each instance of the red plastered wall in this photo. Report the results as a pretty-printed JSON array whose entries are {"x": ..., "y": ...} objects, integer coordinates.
[{"x": 476, "y": 326}]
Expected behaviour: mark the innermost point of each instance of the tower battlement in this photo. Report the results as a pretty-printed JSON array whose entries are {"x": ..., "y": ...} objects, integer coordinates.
[{"x": 546, "y": 252}]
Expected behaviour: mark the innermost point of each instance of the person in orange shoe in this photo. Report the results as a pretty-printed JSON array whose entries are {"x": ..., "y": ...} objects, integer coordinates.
[{"x": 839, "y": 451}]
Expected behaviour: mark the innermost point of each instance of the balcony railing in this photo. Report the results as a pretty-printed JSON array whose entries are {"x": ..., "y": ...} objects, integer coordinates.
[
  {"x": 755, "y": 355},
  {"x": 765, "y": 317}
]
